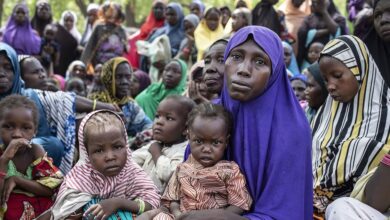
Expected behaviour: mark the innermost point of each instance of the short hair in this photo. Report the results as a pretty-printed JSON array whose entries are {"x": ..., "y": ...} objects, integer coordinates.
[
  {"x": 185, "y": 102},
  {"x": 19, "y": 101},
  {"x": 99, "y": 121},
  {"x": 210, "y": 110},
  {"x": 22, "y": 60},
  {"x": 245, "y": 13}
]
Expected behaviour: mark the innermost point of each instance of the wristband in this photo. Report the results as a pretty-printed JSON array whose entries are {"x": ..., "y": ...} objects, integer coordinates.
[{"x": 141, "y": 205}]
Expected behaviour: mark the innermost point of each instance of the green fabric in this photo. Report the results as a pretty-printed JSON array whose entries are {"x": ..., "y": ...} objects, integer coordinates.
[
  {"x": 12, "y": 171},
  {"x": 151, "y": 97}
]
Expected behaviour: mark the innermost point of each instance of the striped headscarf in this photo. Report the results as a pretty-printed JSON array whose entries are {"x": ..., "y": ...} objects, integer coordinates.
[
  {"x": 108, "y": 79},
  {"x": 131, "y": 183},
  {"x": 350, "y": 139}
]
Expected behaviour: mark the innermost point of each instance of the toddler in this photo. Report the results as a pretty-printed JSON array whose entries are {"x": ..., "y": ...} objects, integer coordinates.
[
  {"x": 28, "y": 178},
  {"x": 105, "y": 182},
  {"x": 160, "y": 157},
  {"x": 205, "y": 180}
]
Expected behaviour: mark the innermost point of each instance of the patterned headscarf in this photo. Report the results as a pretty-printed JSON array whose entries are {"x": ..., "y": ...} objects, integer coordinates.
[
  {"x": 108, "y": 79},
  {"x": 350, "y": 139}
]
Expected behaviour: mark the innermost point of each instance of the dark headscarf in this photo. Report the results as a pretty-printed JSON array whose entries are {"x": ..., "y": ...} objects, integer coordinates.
[
  {"x": 21, "y": 37},
  {"x": 380, "y": 51},
  {"x": 17, "y": 83},
  {"x": 143, "y": 79},
  {"x": 277, "y": 167},
  {"x": 37, "y": 23},
  {"x": 265, "y": 15},
  {"x": 314, "y": 70}
]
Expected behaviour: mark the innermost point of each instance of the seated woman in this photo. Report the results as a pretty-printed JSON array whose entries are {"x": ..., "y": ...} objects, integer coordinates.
[
  {"x": 56, "y": 128},
  {"x": 262, "y": 93},
  {"x": 116, "y": 76},
  {"x": 174, "y": 80},
  {"x": 241, "y": 17},
  {"x": 324, "y": 24},
  {"x": 105, "y": 183},
  {"x": 28, "y": 178},
  {"x": 351, "y": 131},
  {"x": 139, "y": 82}
]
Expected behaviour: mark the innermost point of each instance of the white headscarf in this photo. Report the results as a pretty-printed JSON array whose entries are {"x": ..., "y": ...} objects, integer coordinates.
[{"x": 74, "y": 32}]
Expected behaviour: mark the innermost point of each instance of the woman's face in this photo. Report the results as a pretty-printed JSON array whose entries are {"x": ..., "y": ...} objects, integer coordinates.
[
  {"x": 189, "y": 28},
  {"x": 158, "y": 10},
  {"x": 122, "y": 80},
  {"x": 382, "y": 19},
  {"x": 340, "y": 81},
  {"x": 212, "y": 20},
  {"x": 43, "y": 11},
  {"x": 33, "y": 74},
  {"x": 92, "y": 16},
  {"x": 194, "y": 9},
  {"x": 172, "y": 75},
  {"x": 214, "y": 68},
  {"x": 171, "y": 16},
  {"x": 299, "y": 87},
  {"x": 313, "y": 92},
  {"x": 79, "y": 71},
  {"x": 287, "y": 55},
  {"x": 248, "y": 69},
  {"x": 238, "y": 21},
  {"x": 20, "y": 15},
  {"x": 6, "y": 74},
  {"x": 134, "y": 86},
  {"x": 69, "y": 22}
]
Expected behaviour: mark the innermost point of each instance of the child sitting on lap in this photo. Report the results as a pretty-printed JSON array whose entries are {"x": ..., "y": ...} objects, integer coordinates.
[
  {"x": 160, "y": 158},
  {"x": 105, "y": 183},
  {"x": 28, "y": 178},
  {"x": 205, "y": 181}
]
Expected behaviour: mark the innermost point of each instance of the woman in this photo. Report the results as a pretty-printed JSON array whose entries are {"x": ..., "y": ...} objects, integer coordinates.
[
  {"x": 154, "y": 20},
  {"x": 108, "y": 39},
  {"x": 174, "y": 80},
  {"x": 209, "y": 30},
  {"x": 264, "y": 14},
  {"x": 42, "y": 17},
  {"x": 280, "y": 187},
  {"x": 173, "y": 27},
  {"x": 116, "y": 77},
  {"x": 92, "y": 16},
  {"x": 378, "y": 42},
  {"x": 139, "y": 82},
  {"x": 290, "y": 60},
  {"x": 315, "y": 92},
  {"x": 351, "y": 130},
  {"x": 324, "y": 24},
  {"x": 68, "y": 38},
  {"x": 56, "y": 130},
  {"x": 19, "y": 34}
]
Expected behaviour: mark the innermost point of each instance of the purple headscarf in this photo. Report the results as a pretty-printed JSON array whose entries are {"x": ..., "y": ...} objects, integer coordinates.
[
  {"x": 143, "y": 78},
  {"x": 21, "y": 37},
  {"x": 271, "y": 140}
]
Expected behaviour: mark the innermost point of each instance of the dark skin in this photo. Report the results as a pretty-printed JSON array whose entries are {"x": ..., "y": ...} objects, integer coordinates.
[
  {"x": 212, "y": 19},
  {"x": 158, "y": 10},
  {"x": 382, "y": 20},
  {"x": 376, "y": 193},
  {"x": 313, "y": 92},
  {"x": 171, "y": 16},
  {"x": 17, "y": 130},
  {"x": 122, "y": 80},
  {"x": 172, "y": 75},
  {"x": 20, "y": 15},
  {"x": 320, "y": 7},
  {"x": 214, "y": 68},
  {"x": 189, "y": 31},
  {"x": 33, "y": 74}
]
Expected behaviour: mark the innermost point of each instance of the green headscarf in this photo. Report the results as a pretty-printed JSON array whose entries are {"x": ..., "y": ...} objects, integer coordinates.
[{"x": 151, "y": 97}]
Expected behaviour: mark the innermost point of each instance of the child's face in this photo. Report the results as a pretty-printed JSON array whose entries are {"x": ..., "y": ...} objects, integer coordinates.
[
  {"x": 238, "y": 21},
  {"x": 340, "y": 81},
  {"x": 212, "y": 20},
  {"x": 122, "y": 80},
  {"x": 313, "y": 92},
  {"x": 49, "y": 34},
  {"x": 299, "y": 89},
  {"x": 169, "y": 123},
  {"x": 107, "y": 150},
  {"x": 17, "y": 123},
  {"x": 77, "y": 87},
  {"x": 225, "y": 16},
  {"x": 6, "y": 74},
  {"x": 314, "y": 52},
  {"x": 172, "y": 75},
  {"x": 189, "y": 28},
  {"x": 248, "y": 69},
  {"x": 208, "y": 139},
  {"x": 214, "y": 68},
  {"x": 34, "y": 75}
]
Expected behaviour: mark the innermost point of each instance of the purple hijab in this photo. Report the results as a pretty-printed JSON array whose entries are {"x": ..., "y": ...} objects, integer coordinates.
[
  {"x": 21, "y": 37},
  {"x": 143, "y": 78},
  {"x": 271, "y": 139}
]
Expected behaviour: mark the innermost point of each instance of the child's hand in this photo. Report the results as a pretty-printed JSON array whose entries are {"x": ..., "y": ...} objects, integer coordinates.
[
  {"x": 103, "y": 210},
  {"x": 14, "y": 146},
  {"x": 9, "y": 185}
]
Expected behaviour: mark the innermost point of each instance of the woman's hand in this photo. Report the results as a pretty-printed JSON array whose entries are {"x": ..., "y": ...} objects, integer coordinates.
[
  {"x": 9, "y": 185},
  {"x": 103, "y": 210},
  {"x": 194, "y": 93}
]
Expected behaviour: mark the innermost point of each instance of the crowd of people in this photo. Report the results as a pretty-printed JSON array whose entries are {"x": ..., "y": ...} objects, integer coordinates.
[{"x": 256, "y": 112}]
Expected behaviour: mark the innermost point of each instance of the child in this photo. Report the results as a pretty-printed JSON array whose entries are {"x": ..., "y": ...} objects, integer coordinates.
[
  {"x": 314, "y": 52},
  {"x": 77, "y": 86},
  {"x": 205, "y": 181},
  {"x": 28, "y": 178},
  {"x": 160, "y": 158},
  {"x": 50, "y": 48},
  {"x": 105, "y": 182}
]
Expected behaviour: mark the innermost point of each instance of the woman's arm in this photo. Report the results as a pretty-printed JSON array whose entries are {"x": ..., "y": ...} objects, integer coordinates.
[
  {"x": 377, "y": 193},
  {"x": 86, "y": 105},
  {"x": 320, "y": 6}
]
